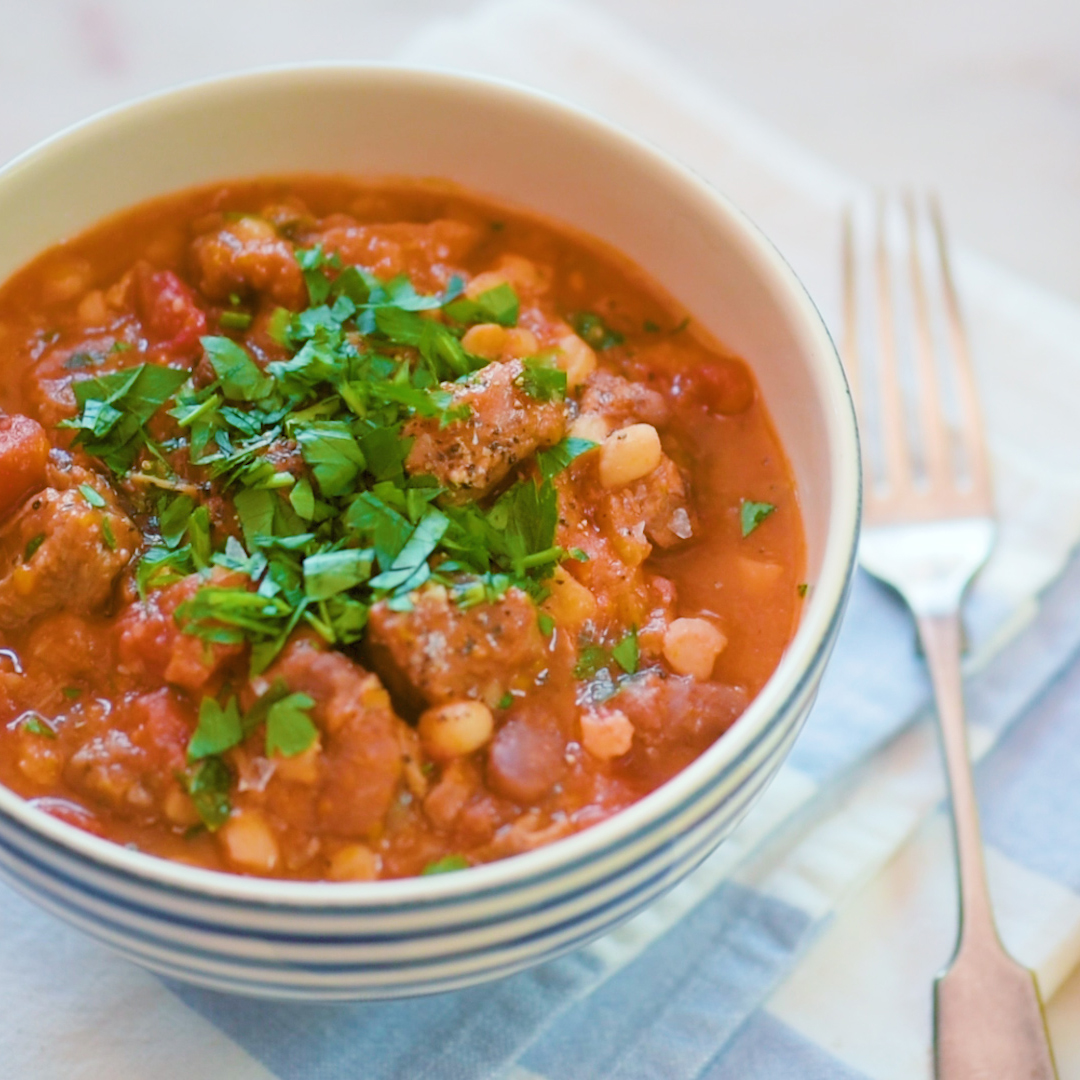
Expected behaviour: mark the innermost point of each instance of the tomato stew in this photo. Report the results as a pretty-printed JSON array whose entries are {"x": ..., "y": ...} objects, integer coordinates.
[{"x": 361, "y": 531}]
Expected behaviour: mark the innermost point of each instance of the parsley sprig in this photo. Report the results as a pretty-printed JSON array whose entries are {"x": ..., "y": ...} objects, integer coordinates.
[{"x": 311, "y": 449}]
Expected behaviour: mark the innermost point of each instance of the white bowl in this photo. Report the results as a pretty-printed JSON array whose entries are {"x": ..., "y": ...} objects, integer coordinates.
[{"x": 395, "y": 938}]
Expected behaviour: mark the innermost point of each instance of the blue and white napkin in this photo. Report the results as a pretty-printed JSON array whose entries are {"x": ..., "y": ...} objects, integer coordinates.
[{"x": 805, "y": 946}]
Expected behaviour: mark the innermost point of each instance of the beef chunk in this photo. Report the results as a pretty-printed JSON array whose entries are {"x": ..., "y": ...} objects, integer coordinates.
[
  {"x": 527, "y": 757},
  {"x": 153, "y": 647},
  {"x": 358, "y": 769},
  {"x": 61, "y": 552},
  {"x": 621, "y": 402},
  {"x": 504, "y": 427},
  {"x": 653, "y": 510},
  {"x": 676, "y": 717},
  {"x": 245, "y": 256},
  {"x": 439, "y": 652},
  {"x": 429, "y": 253}
]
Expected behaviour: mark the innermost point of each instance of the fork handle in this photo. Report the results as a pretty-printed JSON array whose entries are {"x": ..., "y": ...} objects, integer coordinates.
[{"x": 988, "y": 1017}]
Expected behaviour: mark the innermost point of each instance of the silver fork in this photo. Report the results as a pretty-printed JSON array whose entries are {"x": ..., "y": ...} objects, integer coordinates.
[{"x": 928, "y": 528}]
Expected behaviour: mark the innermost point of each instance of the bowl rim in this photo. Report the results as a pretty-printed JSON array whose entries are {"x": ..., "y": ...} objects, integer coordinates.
[{"x": 797, "y": 666}]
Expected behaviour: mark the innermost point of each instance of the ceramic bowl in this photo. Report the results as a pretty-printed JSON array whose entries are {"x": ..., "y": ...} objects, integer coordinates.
[{"x": 394, "y": 938}]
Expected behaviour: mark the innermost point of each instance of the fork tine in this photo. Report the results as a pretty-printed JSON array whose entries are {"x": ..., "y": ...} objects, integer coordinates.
[
  {"x": 890, "y": 396},
  {"x": 931, "y": 415},
  {"x": 971, "y": 429}
]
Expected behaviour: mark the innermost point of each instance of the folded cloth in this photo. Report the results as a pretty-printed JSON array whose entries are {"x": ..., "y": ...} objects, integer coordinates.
[{"x": 719, "y": 979}]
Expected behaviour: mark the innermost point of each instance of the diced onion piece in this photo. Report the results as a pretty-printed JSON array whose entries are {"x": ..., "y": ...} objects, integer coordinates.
[
  {"x": 250, "y": 842},
  {"x": 354, "y": 862},
  {"x": 485, "y": 339},
  {"x": 606, "y": 733},
  {"x": 577, "y": 359},
  {"x": 628, "y": 455},
  {"x": 691, "y": 647},
  {"x": 456, "y": 728}
]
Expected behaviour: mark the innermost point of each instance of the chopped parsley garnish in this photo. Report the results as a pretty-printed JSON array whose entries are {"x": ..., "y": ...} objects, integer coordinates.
[
  {"x": 542, "y": 378},
  {"x": 594, "y": 331},
  {"x": 235, "y": 320},
  {"x": 219, "y": 729},
  {"x": 36, "y": 724},
  {"x": 71, "y": 692},
  {"x": 447, "y": 864},
  {"x": 499, "y": 305},
  {"x": 32, "y": 545},
  {"x": 107, "y": 535},
  {"x": 752, "y": 514},
  {"x": 547, "y": 624},
  {"x": 591, "y": 659},
  {"x": 114, "y": 409},
  {"x": 505, "y": 701},
  {"x": 553, "y": 461},
  {"x": 626, "y": 653},
  {"x": 91, "y": 496},
  {"x": 803, "y": 588},
  {"x": 310, "y": 451},
  {"x": 289, "y": 729},
  {"x": 208, "y": 783}
]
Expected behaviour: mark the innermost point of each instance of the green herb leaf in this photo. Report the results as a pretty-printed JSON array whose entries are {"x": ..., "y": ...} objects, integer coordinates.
[
  {"x": 173, "y": 521},
  {"x": 752, "y": 514},
  {"x": 446, "y": 865},
  {"x": 329, "y": 573},
  {"x": 160, "y": 566},
  {"x": 332, "y": 452},
  {"x": 542, "y": 378},
  {"x": 36, "y": 724},
  {"x": 409, "y": 570},
  {"x": 241, "y": 378},
  {"x": 91, "y": 496},
  {"x": 553, "y": 461},
  {"x": 626, "y": 653},
  {"x": 498, "y": 305},
  {"x": 208, "y": 784},
  {"x": 590, "y": 660},
  {"x": 115, "y": 407},
  {"x": 594, "y": 331},
  {"x": 235, "y": 320},
  {"x": 107, "y": 536},
  {"x": 32, "y": 545},
  {"x": 289, "y": 729},
  {"x": 218, "y": 729}
]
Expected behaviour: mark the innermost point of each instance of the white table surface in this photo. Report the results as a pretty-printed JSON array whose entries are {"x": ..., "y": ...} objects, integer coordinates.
[{"x": 979, "y": 98}]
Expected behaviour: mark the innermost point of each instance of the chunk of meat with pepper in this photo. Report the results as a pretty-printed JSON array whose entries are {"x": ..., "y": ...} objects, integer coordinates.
[
  {"x": 621, "y": 402},
  {"x": 59, "y": 551},
  {"x": 653, "y": 510},
  {"x": 675, "y": 717},
  {"x": 504, "y": 427},
  {"x": 248, "y": 255},
  {"x": 439, "y": 652},
  {"x": 429, "y": 253},
  {"x": 344, "y": 785},
  {"x": 153, "y": 647},
  {"x": 128, "y": 758}
]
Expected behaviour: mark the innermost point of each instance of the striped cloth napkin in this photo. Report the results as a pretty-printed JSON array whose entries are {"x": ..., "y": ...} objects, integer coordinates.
[{"x": 805, "y": 946}]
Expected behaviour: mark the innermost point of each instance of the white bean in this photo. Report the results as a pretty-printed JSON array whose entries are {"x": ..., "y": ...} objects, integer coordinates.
[
  {"x": 629, "y": 454},
  {"x": 456, "y": 728}
]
